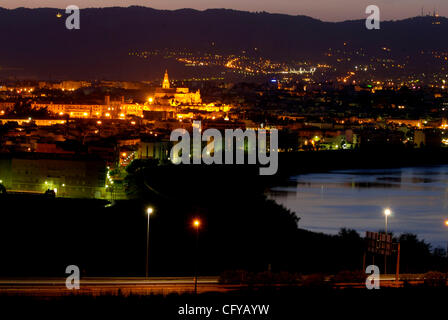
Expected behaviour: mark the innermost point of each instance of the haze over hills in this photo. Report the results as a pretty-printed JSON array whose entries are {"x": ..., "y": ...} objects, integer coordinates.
[{"x": 36, "y": 44}]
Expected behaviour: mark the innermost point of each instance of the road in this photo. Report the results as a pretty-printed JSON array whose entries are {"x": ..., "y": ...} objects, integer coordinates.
[
  {"x": 111, "y": 285},
  {"x": 114, "y": 285}
]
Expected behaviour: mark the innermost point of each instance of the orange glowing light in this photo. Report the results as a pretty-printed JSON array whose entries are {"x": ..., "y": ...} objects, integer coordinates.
[{"x": 196, "y": 223}]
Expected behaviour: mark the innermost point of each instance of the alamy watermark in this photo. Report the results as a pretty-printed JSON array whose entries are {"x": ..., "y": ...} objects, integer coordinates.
[
  {"x": 72, "y": 281},
  {"x": 373, "y": 20},
  {"x": 373, "y": 280},
  {"x": 234, "y": 148},
  {"x": 73, "y": 21}
]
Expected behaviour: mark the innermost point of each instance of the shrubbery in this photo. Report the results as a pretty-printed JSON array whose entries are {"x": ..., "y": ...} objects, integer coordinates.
[
  {"x": 435, "y": 279},
  {"x": 260, "y": 278},
  {"x": 350, "y": 277}
]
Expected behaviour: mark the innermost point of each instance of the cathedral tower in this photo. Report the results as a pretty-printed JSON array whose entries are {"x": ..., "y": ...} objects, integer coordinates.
[{"x": 166, "y": 81}]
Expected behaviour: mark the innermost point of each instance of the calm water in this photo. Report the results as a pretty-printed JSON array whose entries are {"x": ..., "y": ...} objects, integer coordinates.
[{"x": 327, "y": 202}]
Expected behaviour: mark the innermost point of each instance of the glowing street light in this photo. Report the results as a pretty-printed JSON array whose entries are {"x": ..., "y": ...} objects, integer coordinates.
[
  {"x": 196, "y": 225},
  {"x": 387, "y": 213},
  {"x": 446, "y": 224},
  {"x": 149, "y": 211}
]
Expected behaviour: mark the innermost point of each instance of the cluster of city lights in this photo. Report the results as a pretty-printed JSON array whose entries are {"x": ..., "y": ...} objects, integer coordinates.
[
  {"x": 127, "y": 157},
  {"x": 109, "y": 180}
]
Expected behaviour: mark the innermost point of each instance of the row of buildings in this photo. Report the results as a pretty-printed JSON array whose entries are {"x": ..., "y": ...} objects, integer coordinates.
[
  {"x": 163, "y": 102},
  {"x": 83, "y": 149}
]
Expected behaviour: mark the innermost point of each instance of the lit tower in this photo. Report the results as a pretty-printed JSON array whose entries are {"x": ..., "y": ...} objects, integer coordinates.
[{"x": 166, "y": 81}]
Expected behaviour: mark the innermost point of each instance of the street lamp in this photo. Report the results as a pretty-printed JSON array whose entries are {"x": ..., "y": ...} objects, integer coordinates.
[
  {"x": 149, "y": 211},
  {"x": 387, "y": 213},
  {"x": 446, "y": 224},
  {"x": 196, "y": 224}
]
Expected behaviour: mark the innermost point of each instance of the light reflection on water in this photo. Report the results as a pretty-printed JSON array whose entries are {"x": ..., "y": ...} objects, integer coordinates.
[{"x": 327, "y": 202}]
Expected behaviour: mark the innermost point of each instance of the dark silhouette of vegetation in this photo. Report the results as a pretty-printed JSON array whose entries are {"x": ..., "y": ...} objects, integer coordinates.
[
  {"x": 284, "y": 303},
  {"x": 435, "y": 279},
  {"x": 241, "y": 230}
]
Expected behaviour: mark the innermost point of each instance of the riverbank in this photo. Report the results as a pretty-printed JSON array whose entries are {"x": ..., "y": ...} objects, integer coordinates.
[{"x": 294, "y": 163}]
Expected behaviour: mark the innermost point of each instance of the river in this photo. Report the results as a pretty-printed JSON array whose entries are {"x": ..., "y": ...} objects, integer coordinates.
[{"x": 356, "y": 199}]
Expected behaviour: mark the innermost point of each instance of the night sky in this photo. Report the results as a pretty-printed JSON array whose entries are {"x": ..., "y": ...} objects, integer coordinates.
[{"x": 328, "y": 10}]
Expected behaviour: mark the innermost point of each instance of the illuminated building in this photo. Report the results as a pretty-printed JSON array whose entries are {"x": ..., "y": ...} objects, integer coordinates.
[
  {"x": 68, "y": 175},
  {"x": 167, "y": 98},
  {"x": 38, "y": 122},
  {"x": 72, "y": 110}
]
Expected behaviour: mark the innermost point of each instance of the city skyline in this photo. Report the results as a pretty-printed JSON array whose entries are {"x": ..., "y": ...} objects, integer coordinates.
[
  {"x": 324, "y": 9},
  {"x": 172, "y": 157}
]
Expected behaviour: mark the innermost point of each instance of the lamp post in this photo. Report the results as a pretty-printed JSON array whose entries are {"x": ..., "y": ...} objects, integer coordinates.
[
  {"x": 149, "y": 211},
  {"x": 446, "y": 224},
  {"x": 196, "y": 224},
  {"x": 387, "y": 213}
]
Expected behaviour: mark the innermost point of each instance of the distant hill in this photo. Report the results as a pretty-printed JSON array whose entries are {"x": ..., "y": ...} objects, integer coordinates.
[{"x": 35, "y": 42}]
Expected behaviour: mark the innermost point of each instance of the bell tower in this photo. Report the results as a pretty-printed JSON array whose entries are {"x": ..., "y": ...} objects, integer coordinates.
[{"x": 166, "y": 81}]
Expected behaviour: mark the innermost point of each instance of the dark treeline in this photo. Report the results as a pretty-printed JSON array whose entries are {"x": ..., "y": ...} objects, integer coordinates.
[{"x": 240, "y": 230}]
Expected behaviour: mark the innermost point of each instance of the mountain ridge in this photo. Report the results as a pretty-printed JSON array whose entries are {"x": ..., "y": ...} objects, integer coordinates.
[{"x": 37, "y": 42}]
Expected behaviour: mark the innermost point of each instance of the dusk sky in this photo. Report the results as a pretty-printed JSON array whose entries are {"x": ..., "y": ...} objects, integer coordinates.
[{"x": 328, "y": 10}]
